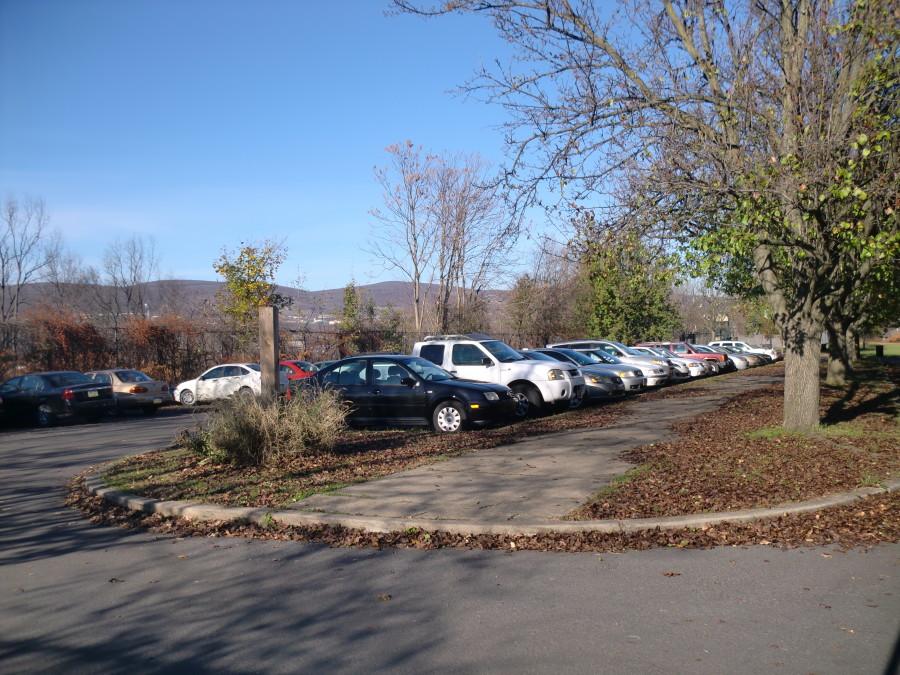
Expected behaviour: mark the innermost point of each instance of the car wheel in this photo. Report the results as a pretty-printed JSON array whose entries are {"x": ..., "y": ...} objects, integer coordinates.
[
  {"x": 245, "y": 393},
  {"x": 44, "y": 416},
  {"x": 528, "y": 400},
  {"x": 187, "y": 397},
  {"x": 448, "y": 418}
]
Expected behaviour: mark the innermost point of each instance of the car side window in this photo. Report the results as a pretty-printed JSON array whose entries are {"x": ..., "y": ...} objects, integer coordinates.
[
  {"x": 32, "y": 384},
  {"x": 467, "y": 355},
  {"x": 214, "y": 373},
  {"x": 388, "y": 373},
  {"x": 680, "y": 348},
  {"x": 12, "y": 386},
  {"x": 235, "y": 371},
  {"x": 433, "y": 353},
  {"x": 285, "y": 370},
  {"x": 348, "y": 374},
  {"x": 609, "y": 349}
]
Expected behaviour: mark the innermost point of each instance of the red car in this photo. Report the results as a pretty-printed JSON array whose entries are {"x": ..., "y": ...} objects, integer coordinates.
[
  {"x": 297, "y": 370},
  {"x": 688, "y": 351}
]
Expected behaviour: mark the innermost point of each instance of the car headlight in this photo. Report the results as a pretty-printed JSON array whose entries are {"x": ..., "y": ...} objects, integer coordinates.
[
  {"x": 624, "y": 373},
  {"x": 492, "y": 396},
  {"x": 593, "y": 379},
  {"x": 658, "y": 362},
  {"x": 556, "y": 374}
]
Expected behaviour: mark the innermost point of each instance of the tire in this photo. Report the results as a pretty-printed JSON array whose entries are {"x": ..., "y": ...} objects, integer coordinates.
[
  {"x": 528, "y": 400},
  {"x": 244, "y": 393},
  {"x": 44, "y": 416},
  {"x": 449, "y": 417},
  {"x": 187, "y": 397}
]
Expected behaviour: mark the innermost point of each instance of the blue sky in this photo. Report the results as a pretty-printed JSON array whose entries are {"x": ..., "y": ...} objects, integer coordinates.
[{"x": 207, "y": 123}]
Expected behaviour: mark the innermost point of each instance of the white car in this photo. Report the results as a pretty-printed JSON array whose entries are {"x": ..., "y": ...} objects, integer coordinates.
[
  {"x": 220, "y": 382},
  {"x": 685, "y": 367},
  {"x": 654, "y": 368},
  {"x": 475, "y": 357},
  {"x": 744, "y": 347}
]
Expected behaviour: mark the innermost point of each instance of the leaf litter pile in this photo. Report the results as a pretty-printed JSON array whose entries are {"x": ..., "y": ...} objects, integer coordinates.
[
  {"x": 360, "y": 455},
  {"x": 867, "y": 522},
  {"x": 737, "y": 457}
]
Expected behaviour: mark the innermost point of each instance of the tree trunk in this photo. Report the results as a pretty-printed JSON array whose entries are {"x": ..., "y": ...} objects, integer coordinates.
[
  {"x": 853, "y": 345},
  {"x": 838, "y": 357},
  {"x": 802, "y": 355}
]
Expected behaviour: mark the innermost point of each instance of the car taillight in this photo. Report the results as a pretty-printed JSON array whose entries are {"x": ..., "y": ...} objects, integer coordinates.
[
  {"x": 138, "y": 390},
  {"x": 68, "y": 395}
]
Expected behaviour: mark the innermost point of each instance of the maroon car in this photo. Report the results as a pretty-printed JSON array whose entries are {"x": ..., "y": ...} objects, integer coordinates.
[{"x": 688, "y": 351}]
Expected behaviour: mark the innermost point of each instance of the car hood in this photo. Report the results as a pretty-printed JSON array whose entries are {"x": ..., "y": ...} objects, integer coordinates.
[{"x": 472, "y": 385}]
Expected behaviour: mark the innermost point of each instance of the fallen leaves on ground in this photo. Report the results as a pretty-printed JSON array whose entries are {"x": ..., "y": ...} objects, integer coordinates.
[
  {"x": 736, "y": 458},
  {"x": 360, "y": 455},
  {"x": 843, "y": 526}
]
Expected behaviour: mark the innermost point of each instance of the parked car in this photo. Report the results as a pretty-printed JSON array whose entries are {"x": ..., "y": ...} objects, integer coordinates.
[
  {"x": 398, "y": 390},
  {"x": 45, "y": 398},
  {"x": 656, "y": 370},
  {"x": 752, "y": 358},
  {"x": 133, "y": 390},
  {"x": 690, "y": 367},
  {"x": 740, "y": 361},
  {"x": 688, "y": 351},
  {"x": 601, "y": 380},
  {"x": 773, "y": 354},
  {"x": 322, "y": 365},
  {"x": 572, "y": 371},
  {"x": 678, "y": 370},
  {"x": 220, "y": 382},
  {"x": 297, "y": 370},
  {"x": 536, "y": 385}
]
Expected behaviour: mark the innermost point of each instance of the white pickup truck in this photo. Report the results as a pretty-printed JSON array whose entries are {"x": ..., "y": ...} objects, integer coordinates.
[{"x": 536, "y": 384}]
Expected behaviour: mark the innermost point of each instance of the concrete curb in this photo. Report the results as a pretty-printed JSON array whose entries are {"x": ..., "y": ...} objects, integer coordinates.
[{"x": 213, "y": 513}]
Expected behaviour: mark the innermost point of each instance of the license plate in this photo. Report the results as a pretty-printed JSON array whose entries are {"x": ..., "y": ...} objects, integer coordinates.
[
  {"x": 157, "y": 401},
  {"x": 93, "y": 393}
]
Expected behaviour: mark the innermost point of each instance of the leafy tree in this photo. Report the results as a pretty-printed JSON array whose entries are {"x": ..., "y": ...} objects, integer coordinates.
[
  {"x": 249, "y": 275},
  {"x": 749, "y": 130},
  {"x": 363, "y": 330},
  {"x": 627, "y": 298}
]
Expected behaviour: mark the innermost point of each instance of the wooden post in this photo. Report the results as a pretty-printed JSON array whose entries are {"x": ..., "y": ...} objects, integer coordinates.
[{"x": 268, "y": 352}]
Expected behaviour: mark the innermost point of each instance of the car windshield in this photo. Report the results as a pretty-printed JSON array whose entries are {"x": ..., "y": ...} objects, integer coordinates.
[
  {"x": 253, "y": 366},
  {"x": 502, "y": 351},
  {"x": 600, "y": 356},
  {"x": 427, "y": 370},
  {"x": 703, "y": 350},
  {"x": 67, "y": 379},
  {"x": 667, "y": 352},
  {"x": 633, "y": 351},
  {"x": 132, "y": 376},
  {"x": 578, "y": 357},
  {"x": 305, "y": 365},
  {"x": 538, "y": 356}
]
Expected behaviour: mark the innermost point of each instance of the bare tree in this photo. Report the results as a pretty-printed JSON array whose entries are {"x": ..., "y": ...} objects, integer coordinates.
[
  {"x": 26, "y": 251},
  {"x": 405, "y": 240},
  {"x": 474, "y": 236}
]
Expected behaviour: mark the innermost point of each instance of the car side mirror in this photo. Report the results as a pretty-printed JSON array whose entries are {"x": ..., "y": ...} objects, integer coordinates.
[
  {"x": 486, "y": 361},
  {"x": 408, "y": 382}
]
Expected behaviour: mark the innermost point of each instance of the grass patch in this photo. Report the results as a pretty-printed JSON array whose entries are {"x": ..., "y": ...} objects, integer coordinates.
[{"x": 890, "y": 349}]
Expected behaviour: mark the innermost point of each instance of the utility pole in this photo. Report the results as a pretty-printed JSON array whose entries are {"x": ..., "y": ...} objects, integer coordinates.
[{"x": 268, "y": 353}]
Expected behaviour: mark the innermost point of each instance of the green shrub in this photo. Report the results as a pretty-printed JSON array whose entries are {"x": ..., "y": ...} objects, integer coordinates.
[{"x": 247, "y": 432}]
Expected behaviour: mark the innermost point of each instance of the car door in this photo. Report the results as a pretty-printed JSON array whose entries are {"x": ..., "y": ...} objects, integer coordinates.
[
  {"x": 235, "y": 378},
  {"x": 468, "y": 363},
  {"x": 397, "y": 395},
  {"x": 208, "y": 383},
  {"x": 13, "y": 399},
  {"x": 350, "y": 380}
]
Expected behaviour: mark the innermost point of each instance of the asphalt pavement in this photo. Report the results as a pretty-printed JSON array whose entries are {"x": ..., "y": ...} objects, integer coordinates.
[{"x": 80, "y": 598}]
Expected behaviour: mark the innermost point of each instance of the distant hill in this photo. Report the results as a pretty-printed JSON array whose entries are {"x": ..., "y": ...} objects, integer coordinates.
[{"x": 194, "y": 293}]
